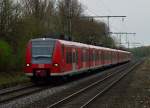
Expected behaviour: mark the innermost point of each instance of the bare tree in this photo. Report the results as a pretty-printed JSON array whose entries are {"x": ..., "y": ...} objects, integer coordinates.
[
  {"x": 68, "y": 11},
  {"x": 9, "y": 15}
]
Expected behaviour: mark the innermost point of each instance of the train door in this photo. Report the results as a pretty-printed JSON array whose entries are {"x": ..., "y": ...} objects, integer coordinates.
[
  {"x": 63, "y": 57},
  {"x": 102, "y": 57},
  {"x": 94, "y": 58},
  {"x": 74, "y": 59},
  {"x": 84, "y": 58},
  {"x": 110, "y": 56},
  {"x": 99, "y": 58}
]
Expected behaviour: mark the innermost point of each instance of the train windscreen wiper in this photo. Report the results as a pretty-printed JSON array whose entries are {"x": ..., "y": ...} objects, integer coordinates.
[{"x": 42, "y": 56}]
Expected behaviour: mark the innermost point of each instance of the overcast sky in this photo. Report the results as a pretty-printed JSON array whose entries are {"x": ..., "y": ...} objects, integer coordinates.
[{"x": 137, "y": 12}]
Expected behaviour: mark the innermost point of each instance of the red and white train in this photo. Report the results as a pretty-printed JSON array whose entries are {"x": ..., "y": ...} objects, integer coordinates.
[{"x": 46, "y": 57}]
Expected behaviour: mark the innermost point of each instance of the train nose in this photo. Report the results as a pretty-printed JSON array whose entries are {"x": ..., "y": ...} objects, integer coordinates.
[
  {"x": 41, "y": 73},
  {"x": 41, "y": 70}
]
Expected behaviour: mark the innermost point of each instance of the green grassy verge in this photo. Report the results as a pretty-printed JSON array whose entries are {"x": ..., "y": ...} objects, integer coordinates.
[{"x": 12, "y": 79}]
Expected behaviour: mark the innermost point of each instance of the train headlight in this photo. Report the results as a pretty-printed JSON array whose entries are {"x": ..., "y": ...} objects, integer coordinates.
[
  {"x": 56, "y": 65},
  {"x": 27, "y": 65}
]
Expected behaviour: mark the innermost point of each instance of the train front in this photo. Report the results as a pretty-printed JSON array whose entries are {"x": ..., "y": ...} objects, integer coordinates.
[{"x": 39, "y": 55}]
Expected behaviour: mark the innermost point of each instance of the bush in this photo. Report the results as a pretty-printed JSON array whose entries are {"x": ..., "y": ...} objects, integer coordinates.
[{"x": 6, "y": 57}]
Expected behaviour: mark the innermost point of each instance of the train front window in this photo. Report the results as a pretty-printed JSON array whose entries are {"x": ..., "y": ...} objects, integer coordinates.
[{"x": 42, "y": 51}]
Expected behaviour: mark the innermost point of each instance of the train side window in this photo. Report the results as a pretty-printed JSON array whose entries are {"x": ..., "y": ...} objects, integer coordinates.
[
  {"x": 84, "y": 55},
  {"x": 67, "y": 56},
  {"x": 100, "y": 55},
  {"x": 76, "y": 55},
  {"x": 87, "y": 55},
  {"x": 97, "y": 56},
  {"x": 70, "y": 56},
  {"x": 109, "y": 55},
  {"x": 103, "y": 55},
  {"x": 81, "y": 55},
  {"x": 93, "y": 56},
  {"x": 73, "y": 61},
  {"x": 62, "y": 50}
]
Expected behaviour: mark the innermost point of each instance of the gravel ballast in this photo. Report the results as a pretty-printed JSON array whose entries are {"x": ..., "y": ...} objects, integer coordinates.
[
  {"x": 43, "y": 98},
  {"x": 131, "y": 92}
]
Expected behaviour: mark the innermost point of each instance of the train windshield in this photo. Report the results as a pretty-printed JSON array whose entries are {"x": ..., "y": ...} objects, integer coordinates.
[{"x": 42, "y": 51}]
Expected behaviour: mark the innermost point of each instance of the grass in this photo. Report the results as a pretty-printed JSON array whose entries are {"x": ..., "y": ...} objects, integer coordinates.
[{"x": 12, "y": 79}]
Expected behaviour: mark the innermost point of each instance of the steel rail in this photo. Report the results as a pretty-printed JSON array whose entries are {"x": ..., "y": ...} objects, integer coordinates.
[
  {"x": 110, "y": 85},
  {"x": 4, "y": 98},
  {"x": 14, "y": 89},
  {"x": 54, "y": 105}
]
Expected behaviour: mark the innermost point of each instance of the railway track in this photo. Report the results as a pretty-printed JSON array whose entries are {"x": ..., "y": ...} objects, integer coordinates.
[
  {"x": 15, "y": 88},
  {"x": 85, "y": 96},
  {"x": 10, "y": 94},
  {"x": 109, "y": 86}
]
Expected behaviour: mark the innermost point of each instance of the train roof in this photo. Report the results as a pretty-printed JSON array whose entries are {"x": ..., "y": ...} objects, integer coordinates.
[
  {"x": 83, "y": 45},
  {"x": 71, "y": 43},
  {"x": 40, "y": 39}
]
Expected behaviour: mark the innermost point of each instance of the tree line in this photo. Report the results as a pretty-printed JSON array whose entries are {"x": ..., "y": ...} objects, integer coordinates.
[
  {"x": 139, "y": 52},
  {"x": 21, "y": 20}
]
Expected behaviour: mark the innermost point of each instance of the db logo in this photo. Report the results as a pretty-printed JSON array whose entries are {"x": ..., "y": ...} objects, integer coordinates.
[{"x": 41, "y": 65}]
